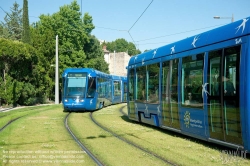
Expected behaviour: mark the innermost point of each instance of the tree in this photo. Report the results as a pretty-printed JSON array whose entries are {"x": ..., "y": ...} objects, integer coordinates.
[
  {"x": 19, "y": 66},
  {"x": 121, "y": 45},
  {"x": 12, "y": 27},
  {"x": 73, "y": 32},
  {"x": 26, "y": 74},
  {"x": 95, "y": 56},
  {"x": 26, "y": 26},
  {"x": 44, "y": 42},
  {"x": 147, "y": 50},
  {"x": 88, "y": 25}
]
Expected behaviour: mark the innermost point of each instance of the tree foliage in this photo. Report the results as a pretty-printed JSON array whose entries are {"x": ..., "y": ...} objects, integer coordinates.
[
  {"x": 27, "y": 72},
  {"x": 121, "y": 45},
  {"x": 95, "y": 55},
  {"x": 77, "y": 48},
  {"x": 12, "y": 27},
  {"x": 26, "y": 26},
  {"x": 18, "y": 68}
]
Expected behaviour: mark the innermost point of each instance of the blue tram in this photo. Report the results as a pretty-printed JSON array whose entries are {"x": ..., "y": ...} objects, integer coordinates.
[
  {"x": 119, "y": 89},
  {"x": 197, "y": 86},
  {"x": 86, "y": 89}
]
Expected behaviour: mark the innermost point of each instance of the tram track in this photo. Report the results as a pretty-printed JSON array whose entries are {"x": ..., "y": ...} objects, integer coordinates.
[
  {"x": 13, "y": 120},
  {"x": 9, "y": 122},
  {"x": 122, "y": 112},
  {"x": 84, "y": 148},
  {"x": 129, "y": 142}
]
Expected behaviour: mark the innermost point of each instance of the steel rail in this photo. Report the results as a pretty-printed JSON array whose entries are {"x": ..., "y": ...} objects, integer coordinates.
[
  {"x": 129, "y": 142},
  {"x": 84, "y": 148}
]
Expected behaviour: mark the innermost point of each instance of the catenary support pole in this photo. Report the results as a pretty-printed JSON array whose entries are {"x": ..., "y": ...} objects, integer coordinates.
[{"x": 56, "y": 75}]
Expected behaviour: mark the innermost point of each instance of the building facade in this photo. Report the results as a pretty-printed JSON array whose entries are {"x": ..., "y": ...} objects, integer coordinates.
[{"x": 118, "y": 61}]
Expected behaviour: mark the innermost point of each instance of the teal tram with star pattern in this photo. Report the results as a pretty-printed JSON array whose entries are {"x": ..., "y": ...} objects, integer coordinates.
[{"x": 199, "y": 86}]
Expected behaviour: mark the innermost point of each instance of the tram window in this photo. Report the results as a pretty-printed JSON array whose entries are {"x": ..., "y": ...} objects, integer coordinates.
[
  {"x": 141, "y": 83},
  {"x": 105, "y": 88},
  {"x": 100, "y": 87},
  {"x": 223, "y": 101},
  {"x": 169, "y": 93},
  {"x": 165, "y": 81},
  {"x": 131, "y": 85},
  {"x": 214, "y": 63},
  {"x": 91, "y": 87},
  {"x": 153, "y": 83},
  {"x": 192, "y": 80},
  {"x": 117, "y": 88},
  {"x": 125, "y": 87},
  {"x": 174, "y": 81},
  {"x": 231, "y": 93},
  {"x": 231, "y": 55},
  {"x": 109, "y": 82}
]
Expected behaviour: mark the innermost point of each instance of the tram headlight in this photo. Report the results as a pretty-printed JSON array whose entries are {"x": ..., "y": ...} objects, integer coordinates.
[
  {"x": 66, "y": 100},
  {"x": 81, "y": 100}
]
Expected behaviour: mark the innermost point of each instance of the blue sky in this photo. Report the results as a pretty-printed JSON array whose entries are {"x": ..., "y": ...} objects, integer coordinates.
[{"x": 164, "y": 21}]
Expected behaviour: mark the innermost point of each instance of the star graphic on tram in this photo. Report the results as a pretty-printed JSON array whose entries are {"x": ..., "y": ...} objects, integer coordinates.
[
  {"x": 204, "y": 89},
  {"x": 135, "y": 58},
  {"x": 89, "y": 76},
  {"x": 154, "y": 53},
  {"x": 194, "y": 41},
  {"x": 158, "y": 110},
  {"x": 142, "y": 62},
  {"x": 243, "y": 24},
  {"x": 146, "y": 109},
  {"x": 172, "y": 49}
]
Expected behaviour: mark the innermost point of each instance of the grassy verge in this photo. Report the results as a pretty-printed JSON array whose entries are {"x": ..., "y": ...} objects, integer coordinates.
[
  {"x": 109, "y": 149},
  {"x": 172, "y": 146},
  {"x": 40, "y": 138},
  {"x": 5, "y": 117}
]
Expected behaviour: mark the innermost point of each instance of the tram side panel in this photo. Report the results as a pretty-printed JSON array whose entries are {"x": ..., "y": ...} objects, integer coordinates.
[{"x": 246, "y": 98}]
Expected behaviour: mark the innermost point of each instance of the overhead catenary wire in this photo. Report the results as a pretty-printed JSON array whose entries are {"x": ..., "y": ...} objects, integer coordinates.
[
  {"x": 111, "y": 29},
  {"x": 131, "y": 37},
  {"x": 137, "y": 21},
  {"x": 173, "y": 34},
  {"x": 11, "y": 16},
  {"x": 128, "y": 31},
  {"x": 140, "y": 15},
  {"x": 5, "y": 12},
  {"x": 179, "y": 33}
]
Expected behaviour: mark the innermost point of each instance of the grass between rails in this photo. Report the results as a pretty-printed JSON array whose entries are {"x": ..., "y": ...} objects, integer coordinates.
[
  {"x": 5, "y": 117},
  {"x": 175, "y": 147},
  {"x": 40, "y": 139},
  {"x": 108, "y": 149}
]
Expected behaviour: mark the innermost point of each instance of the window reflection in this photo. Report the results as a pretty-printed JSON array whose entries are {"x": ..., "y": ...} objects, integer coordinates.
[{"x": 192, "y": 80}]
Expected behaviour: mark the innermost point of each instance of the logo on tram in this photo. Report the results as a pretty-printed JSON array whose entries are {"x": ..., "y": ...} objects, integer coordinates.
[{"x": 187, "y": 119}]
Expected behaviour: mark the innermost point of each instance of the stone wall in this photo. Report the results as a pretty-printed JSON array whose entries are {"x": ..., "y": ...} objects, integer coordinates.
[{"x": 117, "y": 63}]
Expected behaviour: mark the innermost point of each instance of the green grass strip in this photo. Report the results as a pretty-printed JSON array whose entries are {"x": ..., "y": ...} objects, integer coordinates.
[
  {"x": 175, "y": 147},
  {"x": 40, "y": 138},
  {"x": 109, "y": 149}
]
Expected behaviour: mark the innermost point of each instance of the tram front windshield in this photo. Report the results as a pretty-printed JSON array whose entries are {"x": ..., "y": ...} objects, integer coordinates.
[{"x": 75, "y": 85}]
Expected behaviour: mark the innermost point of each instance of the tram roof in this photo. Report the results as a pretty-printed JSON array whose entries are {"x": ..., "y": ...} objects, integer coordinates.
[
  {"x": 230, "y": 31},
  {"x": 91, "y": 72},
  {"x": 115, "y": 77}
]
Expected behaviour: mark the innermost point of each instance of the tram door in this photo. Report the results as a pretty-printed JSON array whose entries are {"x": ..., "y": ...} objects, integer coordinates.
[
  {"x": 169, "y": 92},
  {"x": 131, "y": 102},
  {"x": 223, "y": 101}
]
